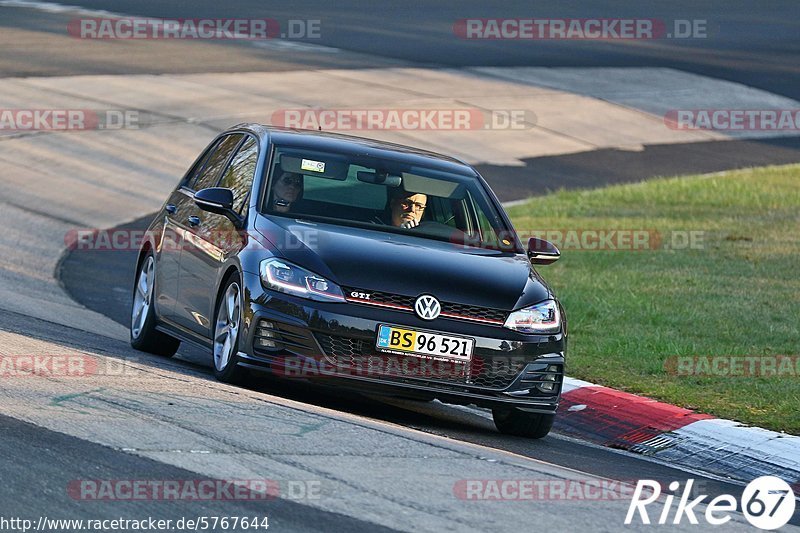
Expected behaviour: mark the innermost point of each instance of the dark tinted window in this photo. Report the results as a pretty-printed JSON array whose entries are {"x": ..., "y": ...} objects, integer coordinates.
[
  {"x": 214, "y": 163},
  {"x": 240, "y": 173},
  {"x": 361, "y": 190},
  {"x": 350, "y": 192},
  {"x": 191, "y": 176}
]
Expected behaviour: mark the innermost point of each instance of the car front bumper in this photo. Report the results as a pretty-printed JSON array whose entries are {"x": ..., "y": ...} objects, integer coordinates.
[{"x": 334, "y": 343}]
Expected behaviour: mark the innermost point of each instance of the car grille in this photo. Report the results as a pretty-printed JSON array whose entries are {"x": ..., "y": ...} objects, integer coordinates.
[
  {"x": 472, "y": 313},
  {"x": 359, "y": 357}
]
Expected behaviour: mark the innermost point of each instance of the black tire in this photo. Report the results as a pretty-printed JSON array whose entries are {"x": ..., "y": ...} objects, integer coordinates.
[
  {"x": 143, "y": 334},
  {"x": 230, "y": 371},
  {"x": 511, "y": 421}
]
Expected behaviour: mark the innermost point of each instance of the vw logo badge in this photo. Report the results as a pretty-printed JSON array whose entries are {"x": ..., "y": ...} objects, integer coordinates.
[{"x": 427, "y": 307}]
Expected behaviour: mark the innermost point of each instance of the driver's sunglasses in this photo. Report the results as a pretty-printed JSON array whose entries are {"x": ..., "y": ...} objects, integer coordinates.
[
  {"x": 408, "y": 204},
  {"x": 292, "y": 180}
]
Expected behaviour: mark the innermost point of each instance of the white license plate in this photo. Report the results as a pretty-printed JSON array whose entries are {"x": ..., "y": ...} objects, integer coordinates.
[{"x": 413, "y": 341}]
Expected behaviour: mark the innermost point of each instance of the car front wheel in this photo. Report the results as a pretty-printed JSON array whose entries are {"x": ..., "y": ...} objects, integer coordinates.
[
  {"x": 144, "y": 335},
  {"x": 226, "y": 333},
  {"x": 512, "y": 421}
]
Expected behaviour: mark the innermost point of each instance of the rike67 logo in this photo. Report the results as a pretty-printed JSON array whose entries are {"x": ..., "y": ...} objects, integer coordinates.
[{"x": 767, "y": 502}]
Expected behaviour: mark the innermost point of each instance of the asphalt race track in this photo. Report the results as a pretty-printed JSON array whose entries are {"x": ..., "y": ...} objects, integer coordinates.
[
  {"x": 746, "y": 42},
  {"x": 380, "y": 463},
  {"x": 756, "y": 47},
  {"x": 100, "y": 281},
  {"x": 60, "y": 459}
]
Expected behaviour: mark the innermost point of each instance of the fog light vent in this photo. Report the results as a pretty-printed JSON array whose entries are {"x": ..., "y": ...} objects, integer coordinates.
[
  {"x": 266, "y": 335},
  {"x": 545, "y": 377}
]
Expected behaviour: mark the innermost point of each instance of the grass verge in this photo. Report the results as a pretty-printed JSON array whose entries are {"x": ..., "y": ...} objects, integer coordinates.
[{"x": 710, "y": 295}]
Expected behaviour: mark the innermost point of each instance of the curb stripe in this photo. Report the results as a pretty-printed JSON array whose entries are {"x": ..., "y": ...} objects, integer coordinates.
[
  {"x": 619, "y": 419},
  {"x": 679, "y": 436},
  {"x": 730, "y": 449}
]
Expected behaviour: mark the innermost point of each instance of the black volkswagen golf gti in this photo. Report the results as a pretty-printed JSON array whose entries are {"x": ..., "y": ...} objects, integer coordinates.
[{"x": 366, "y": 264}]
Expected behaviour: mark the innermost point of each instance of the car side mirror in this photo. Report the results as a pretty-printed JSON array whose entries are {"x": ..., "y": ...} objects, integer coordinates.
[
  {"x": 542, "y": 252},
  {"x": 218, "y": 200}
]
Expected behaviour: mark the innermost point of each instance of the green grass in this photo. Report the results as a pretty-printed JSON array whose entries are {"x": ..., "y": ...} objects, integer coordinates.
[{"x": 736, "y": 295}]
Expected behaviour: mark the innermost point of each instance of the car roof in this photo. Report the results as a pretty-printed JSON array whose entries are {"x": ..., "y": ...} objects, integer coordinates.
[{"x": 350, "y": 144}]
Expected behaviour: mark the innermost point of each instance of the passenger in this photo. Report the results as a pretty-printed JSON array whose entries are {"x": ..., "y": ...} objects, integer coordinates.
[{"x": 286, "y": 191}]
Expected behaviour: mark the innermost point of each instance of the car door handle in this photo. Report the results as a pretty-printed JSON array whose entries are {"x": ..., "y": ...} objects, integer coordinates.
[
  {"x": 193, "y": 221},
  {"x": 171, "y": 209}
]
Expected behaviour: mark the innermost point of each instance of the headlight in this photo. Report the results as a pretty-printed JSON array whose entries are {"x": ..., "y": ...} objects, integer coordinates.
[
  {"x": 283, "y": 276},
  {"x": 540, "y": 318}
]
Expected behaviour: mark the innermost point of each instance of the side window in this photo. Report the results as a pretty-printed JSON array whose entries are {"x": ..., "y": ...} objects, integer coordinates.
[
  {"x": 191, "y": 176},
  {"x": 441, "y": 210},
  {"x": 240, "y": 173},
  {"x": 214, "y": 163}
]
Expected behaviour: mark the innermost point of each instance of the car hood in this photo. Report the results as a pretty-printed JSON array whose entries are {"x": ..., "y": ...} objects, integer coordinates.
[{"x": 374, "y": 260}]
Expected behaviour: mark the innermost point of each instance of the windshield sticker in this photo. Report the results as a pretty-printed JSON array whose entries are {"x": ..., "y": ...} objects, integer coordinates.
[{"x": 313, "y": 166}]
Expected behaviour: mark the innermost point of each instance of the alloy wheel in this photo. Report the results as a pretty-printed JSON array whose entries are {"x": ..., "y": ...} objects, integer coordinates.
[
  {"x": 143, "y": 297},
  {"x": 226, "y": 330}
]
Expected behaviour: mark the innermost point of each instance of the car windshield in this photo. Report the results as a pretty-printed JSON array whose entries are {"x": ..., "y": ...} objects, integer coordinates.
[{"x": 384, "y": 195}]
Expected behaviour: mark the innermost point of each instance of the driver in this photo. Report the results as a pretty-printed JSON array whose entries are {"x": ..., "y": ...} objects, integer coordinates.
[{"x": 405, "y": 209}]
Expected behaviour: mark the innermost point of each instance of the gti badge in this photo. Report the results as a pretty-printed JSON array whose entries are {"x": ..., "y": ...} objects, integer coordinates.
[{"x": 427, "y": 307}]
